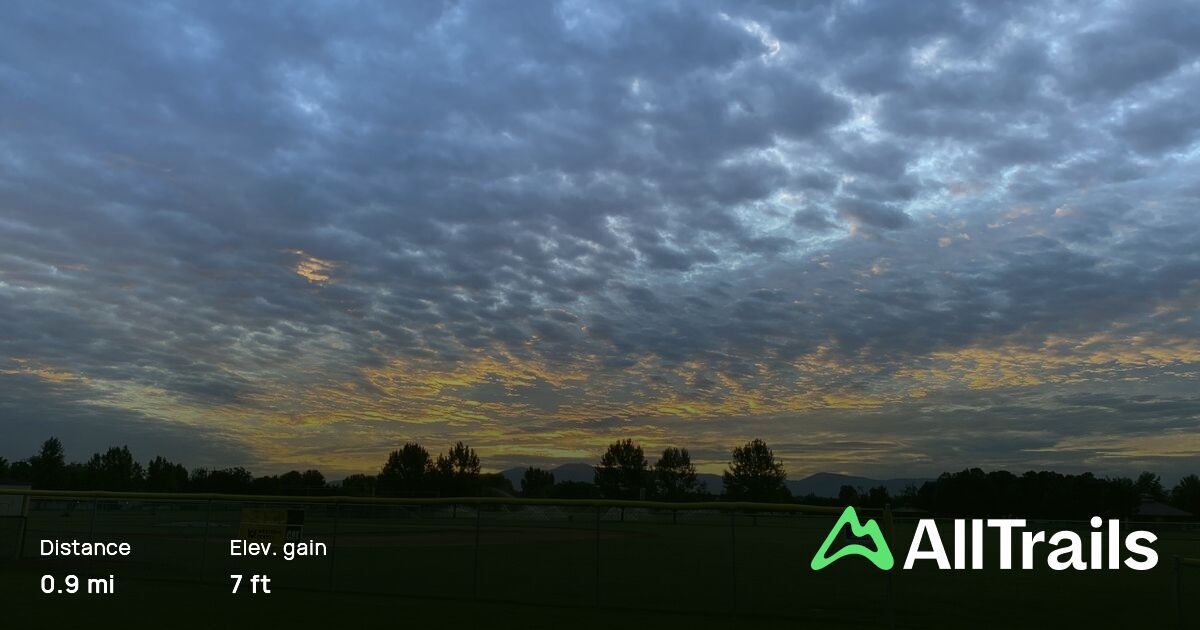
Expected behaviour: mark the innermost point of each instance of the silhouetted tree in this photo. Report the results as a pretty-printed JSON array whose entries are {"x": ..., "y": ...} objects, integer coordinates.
[
  {"x": 1041, "y": 494},
  {"x": 114, "y": 470},
  {"x": 197, "y": 479},
  {"x": 164, "y": 476},
  {"x": 536, "y": 483},
  {"x": 20, "y": 470},
  {"x": 291, "y": 482},
  {"x": 312, "y": 480},
  {"x": 79, "y": 476},
  {"x": 359, "y": 485},
  {"x": 460, "y": 460},
  {"x": 1150, "y": 484},
  {"x": 407, "y": 472},
  {"x": 3, "y": 468},
  {"x": 876, "y": 497},
  {"x": 236, "y": 480},
  {"x": 495, "y": 484},
  {"x": 1116, "y": 496},
  {"x": 622, "y": 473},
  {"x": 675, "y": 476},
  {"x": 458, "y": 471},
  {"x": 49, "y": 467},
  {"x": 1186, "y": 495},
  {"x": 755, "y": 475}
]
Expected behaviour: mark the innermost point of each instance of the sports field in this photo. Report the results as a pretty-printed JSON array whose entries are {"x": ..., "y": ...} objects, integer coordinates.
[{"x": 557, "y": 566}]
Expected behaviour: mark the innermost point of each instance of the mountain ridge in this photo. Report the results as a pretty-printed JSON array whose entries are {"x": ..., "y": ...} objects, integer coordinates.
[{"x": 822, "y": 484}]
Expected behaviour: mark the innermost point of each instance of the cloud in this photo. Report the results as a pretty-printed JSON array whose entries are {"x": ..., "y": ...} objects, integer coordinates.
[
  {"x": 871, "y": 214},
  {"x": 455, "y": 221}
]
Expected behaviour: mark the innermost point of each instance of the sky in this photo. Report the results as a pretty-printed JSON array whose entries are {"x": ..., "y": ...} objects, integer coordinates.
[{"x": 890, "y": 239}]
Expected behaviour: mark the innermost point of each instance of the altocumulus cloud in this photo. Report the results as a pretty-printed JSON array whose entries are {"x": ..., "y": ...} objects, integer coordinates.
[{"x": 881, "y": 235}]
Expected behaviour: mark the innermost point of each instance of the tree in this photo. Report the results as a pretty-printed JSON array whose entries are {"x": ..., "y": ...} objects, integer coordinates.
[
  {"x": 1150, "y": 484},
  {"x": 622, "y": 471},
  {"x": 407, "y": 472},
  {"x": 1041, "y": 495},
  {"x": 675, "y": 476},
  {"x": 20, "y": 470},
  {"x": 495, "y": 485},
  {"x": 3, "y": 468},
  {"x": 755, "y": 475},
  {"x": 164, "y": 476},
  {"x": 236, "y": 480},
  {"x": 114, "y": 470},
  {"x": 312, "y": 480},
  {"x": 49, "y": 467},
  {"x": 1186, "y": 495},
  {"x": 848, "y": 495},
  {"x": 290, "y": 482},
  {"x": 359, "y": 485},
  {"x": 458, "y": 471},
  {"x": 461, "y": 460},
  {"x": 536, "y": 483},
  {"x": 877, "y": 497}
]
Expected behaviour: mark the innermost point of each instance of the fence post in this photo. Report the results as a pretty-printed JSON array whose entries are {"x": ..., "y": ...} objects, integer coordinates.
[
  {"x": 337, "y": 510},
  {"x": 597, "y": 591},
  {"x": 25, "y": 501},
  {"x": 478, "y": 515},
  {"x": 92, "y": 530},
  {"x": 92, "y": 525},
  {"x": 204, "y": 540},
  {"x": 891, "y": 601},
  {"x": 1179, "y": 591},
  {"x": 733, "y": 556}
]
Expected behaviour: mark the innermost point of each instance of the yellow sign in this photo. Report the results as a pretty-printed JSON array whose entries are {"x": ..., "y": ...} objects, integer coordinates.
[{"x": 274, "y": 526}]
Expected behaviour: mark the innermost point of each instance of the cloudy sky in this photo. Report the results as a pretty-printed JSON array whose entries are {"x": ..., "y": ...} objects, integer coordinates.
[{"x": 892, "y": 238}]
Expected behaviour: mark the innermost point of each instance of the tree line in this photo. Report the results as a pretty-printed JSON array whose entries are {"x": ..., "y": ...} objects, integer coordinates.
[
  {"x": 1034, "y": 494},
  {"x": 1046, "y": 494},
  {"x": 623, "y": 472},
  {"x": 753, "y": 474}
]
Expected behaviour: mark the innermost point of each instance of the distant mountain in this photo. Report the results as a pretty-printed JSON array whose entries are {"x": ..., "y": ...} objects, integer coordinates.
[
  {"x": 829, "y": 484},
  {"x": 820, "y": 484},
  {"x": 514, "y": 476},
  {"x": 566, "y": 472},
  {"x": 713, "y": 482}
]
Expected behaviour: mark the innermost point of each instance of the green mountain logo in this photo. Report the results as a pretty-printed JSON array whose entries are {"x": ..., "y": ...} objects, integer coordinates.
[{"x": 880, "y": 556}]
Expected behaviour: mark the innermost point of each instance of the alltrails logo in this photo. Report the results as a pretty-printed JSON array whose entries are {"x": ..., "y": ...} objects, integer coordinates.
[
  {"x": 1066, "y": 548},
  {"x": 881, "y": 556}
]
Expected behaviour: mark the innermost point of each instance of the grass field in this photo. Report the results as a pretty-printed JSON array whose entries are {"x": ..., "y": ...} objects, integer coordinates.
[{"x": 558, "y": 567}]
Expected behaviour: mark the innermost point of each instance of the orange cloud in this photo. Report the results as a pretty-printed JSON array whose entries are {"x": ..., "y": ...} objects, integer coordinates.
[{"x": 312, "y": 268}]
